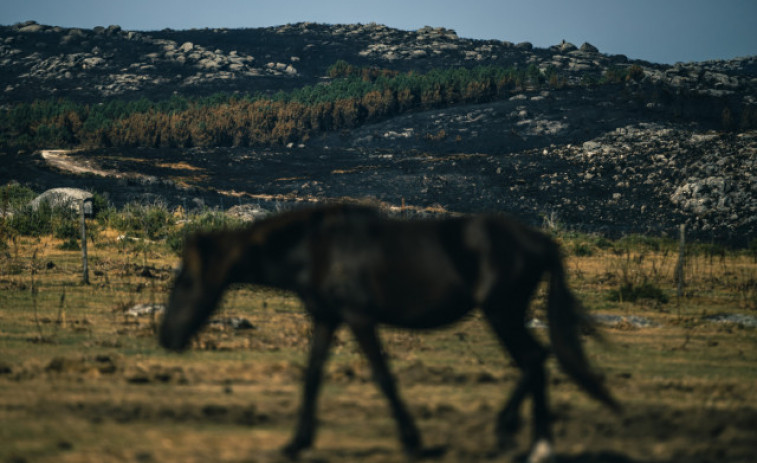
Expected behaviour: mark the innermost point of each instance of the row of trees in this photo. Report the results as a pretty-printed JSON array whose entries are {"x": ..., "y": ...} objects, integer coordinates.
[{"x": 353, "y": 97}]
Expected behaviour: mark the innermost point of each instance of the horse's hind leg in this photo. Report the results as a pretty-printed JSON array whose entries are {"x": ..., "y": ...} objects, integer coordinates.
[
  {"x": 323, "y": 333},
  {"x": 529, "y": 355},
  {"x": 365, "y": 334}
]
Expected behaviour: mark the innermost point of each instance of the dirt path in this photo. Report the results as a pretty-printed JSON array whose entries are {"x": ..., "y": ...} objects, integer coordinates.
[{"x": 63, "y": 160}]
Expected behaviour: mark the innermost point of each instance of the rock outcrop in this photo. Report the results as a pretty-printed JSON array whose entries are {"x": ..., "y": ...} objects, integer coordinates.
[{"x": 38, "y": 61}]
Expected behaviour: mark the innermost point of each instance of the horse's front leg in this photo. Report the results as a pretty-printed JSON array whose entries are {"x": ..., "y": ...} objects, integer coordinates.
[
  {"x": 323, "y": 333},
  {"x": 365, "y": 334}
]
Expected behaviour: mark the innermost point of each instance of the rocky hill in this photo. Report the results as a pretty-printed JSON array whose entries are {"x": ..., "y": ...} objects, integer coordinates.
[
  {"x": 676, "y": 144},
  {"x": 38, "y": 61}
]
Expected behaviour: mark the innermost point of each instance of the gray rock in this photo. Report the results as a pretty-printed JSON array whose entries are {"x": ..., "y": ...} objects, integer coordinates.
[
  {"x": 615, "y": 320},
  {"x": 591, "y": 146},
  {"x": 65, "y": 197},
  {"x": 734, "y": 318},
  {"x": 234, "y": 323},
  {"x": 566, "y": 47},
  {"x": 32, "y": 28},
  {"x": 145, "y": 310},
  {"x": 525, "y": 46},
  {"x": 248, "y": 212},
  {"x": 586, "y": 47},
  {"x": 209, "y": 63}
]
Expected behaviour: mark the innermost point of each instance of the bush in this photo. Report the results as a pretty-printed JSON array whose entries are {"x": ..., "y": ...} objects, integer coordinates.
[
  {"x": 629, "y": 292},
  {"x": 70, "y": 244},
  {"x": 582, "y": 250},
  {"x": 753, "y": 248},
  {"x": 153, "y": 221},
  {"x": 14, "y": 196},
  {"x": 643, "y": 242},
  {"x": 203, "y": 222},
  {"x": 28, "y": 221},
  {"x": 66, "y": 227}
]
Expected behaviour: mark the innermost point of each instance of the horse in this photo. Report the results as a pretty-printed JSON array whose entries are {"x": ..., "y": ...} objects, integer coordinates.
[{"x": 352, "y": 265}]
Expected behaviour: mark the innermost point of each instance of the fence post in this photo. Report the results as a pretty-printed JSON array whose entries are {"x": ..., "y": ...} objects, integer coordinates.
[
  {"x": 85, "y": 271},
  {"x": 680, "y": 276}
]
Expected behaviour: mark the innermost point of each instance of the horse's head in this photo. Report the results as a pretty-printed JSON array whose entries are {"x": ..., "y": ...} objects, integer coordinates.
[{"x": 210, "y": 262}]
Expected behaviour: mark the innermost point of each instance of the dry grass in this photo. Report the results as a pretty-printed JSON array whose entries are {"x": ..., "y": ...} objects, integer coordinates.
[{"x": 80, "y": 381}]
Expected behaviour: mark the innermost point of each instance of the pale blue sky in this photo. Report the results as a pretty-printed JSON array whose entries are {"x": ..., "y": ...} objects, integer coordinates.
[{"x": 662, "y": 31}]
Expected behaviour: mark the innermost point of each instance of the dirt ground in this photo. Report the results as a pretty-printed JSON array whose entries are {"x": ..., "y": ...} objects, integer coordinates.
[{"x": 80, "y": 381}]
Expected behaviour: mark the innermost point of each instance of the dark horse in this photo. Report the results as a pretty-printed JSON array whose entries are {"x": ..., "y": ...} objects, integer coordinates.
[{"x": 351, "y": 265}]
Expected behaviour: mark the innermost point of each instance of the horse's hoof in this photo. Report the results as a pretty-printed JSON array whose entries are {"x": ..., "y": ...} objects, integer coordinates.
[
  {"x": 542, "y": 452},
  {"x": 292, "y": 450}
]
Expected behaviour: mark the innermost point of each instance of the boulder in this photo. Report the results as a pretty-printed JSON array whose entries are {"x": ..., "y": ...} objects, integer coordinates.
[
  {"x": 589, "y": 48},
  {"x": 142, "y": 310},
  {"x": 247, "y": 212},
  {"x": 32, "y": 28},
  {"x": 525, "y": 46},
  {"x": 566, "y": 47},
  {"x": 65, "y": 197}
]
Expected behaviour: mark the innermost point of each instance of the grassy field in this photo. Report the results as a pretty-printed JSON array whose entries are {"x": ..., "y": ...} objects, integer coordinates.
[{"x": 82, "y": 381}]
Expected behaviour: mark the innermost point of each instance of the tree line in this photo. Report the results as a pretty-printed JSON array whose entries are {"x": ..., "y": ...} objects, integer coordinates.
[{"x": 353, "y": 96}]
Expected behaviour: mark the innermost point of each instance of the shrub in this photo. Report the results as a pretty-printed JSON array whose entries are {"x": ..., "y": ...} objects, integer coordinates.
[
  {"x": 14, "y": 196},
  {"x": 205, "y": 221},
  {"x": 753, "y": 248},
  {"x": 66, "y": 227},
  {"x": 629, "y": 292},
  {"x": 643, "y": 242},
  {"x": 582, "y": 250},
  {"x": 70, "y": 244},
  {"x": 153, "y": 221},
  {"x": 29, "y": 221}
]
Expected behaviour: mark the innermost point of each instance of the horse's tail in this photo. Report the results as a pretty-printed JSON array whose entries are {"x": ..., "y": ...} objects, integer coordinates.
[{"x": 566, "y": 318}]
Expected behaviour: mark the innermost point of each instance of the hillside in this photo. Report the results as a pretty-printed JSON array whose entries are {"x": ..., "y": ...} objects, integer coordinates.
[{"x": 596, "y": 142}]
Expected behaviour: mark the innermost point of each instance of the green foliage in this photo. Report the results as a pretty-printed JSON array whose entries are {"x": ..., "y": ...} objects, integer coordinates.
[
  {"x": 582, "y": 250},
  {"x": 204, "y": 222},
  {"x": 29, "y": 221},
  {"x": 584, "y": 245},
  {"x": 13, "y": 195},
  {"x": 752, "y": 246},
  {"x": 639, "y": 243},
  {"x": 354, "y": 96},
  {"x": 629, "y": 292},
  {"x": 67, "y": 226},
  {"x": 137, "y": 220},
  {"x": 70, "y": 244}
]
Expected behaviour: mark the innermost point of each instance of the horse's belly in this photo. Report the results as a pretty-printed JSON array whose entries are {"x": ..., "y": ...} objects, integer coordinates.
[{"x": 427, "y": 309}]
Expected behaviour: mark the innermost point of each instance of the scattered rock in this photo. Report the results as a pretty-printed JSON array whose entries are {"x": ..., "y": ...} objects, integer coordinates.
[
  {"x": 623, "y": 320},
  {"x": 734, "y": 318},
  {"x": 234, "y": 323},
  {"x": 145, "y": 310},
  {"x": 247, "y": 212}
]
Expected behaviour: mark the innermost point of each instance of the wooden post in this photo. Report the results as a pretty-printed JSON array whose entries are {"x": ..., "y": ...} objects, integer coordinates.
[
  {"x": 680, "y": 276},
  {"x": 85, "y": 270}
]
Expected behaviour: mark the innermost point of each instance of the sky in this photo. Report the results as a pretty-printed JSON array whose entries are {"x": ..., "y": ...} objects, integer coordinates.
[{"x": 661, "y": 31}]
